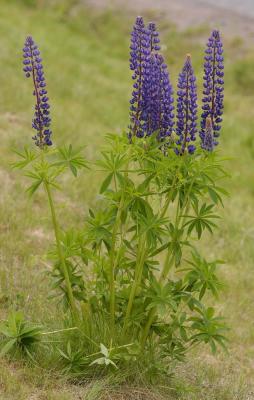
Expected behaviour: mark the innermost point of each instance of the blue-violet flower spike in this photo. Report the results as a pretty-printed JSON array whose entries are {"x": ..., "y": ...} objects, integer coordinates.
[
  {"x": 140, "y": 50},
  {"x": 186, "y": 124},
  {"x": 213, "y": 86},
  {"x": 33, "y": 68},
  {"x": 157, "y": 112}
]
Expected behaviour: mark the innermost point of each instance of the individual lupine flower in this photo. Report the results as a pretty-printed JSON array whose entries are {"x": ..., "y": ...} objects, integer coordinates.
[
  {"x": 33, "y": 68},
  {"x": 186, "y": 125},
  {"x": 208, "y": 139},
  {"x": 139, "y": 55},
  {"x": 213, "y": 86}
]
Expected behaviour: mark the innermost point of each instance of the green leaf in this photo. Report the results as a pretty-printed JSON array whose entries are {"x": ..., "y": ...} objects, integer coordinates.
[
  {"x": 71, "y": 158},
  {"x": 160, "y": 249},
  {"x": 34, "y": 187},
  {"x": 106, "y": 183},
  {"x": 7, "y": 347},
  {"x": 104, "y": 350},
  {"x": 27, "y": 157}
]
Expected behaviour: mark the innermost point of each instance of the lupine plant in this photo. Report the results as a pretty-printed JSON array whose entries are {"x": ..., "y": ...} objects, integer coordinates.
[
  {"x": 132, "y": 277},
  {"x": 42, "y": 165}
]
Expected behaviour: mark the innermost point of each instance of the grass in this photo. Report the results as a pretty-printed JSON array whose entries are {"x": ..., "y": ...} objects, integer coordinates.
[{"x": 86, "y": 62}]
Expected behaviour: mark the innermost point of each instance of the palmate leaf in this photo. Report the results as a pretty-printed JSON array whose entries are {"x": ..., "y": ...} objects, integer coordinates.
[
  {"x": 99, "y": 227},
  {"x": 210, "y": 329},
  {"x": 112, "y": 162},
  {"x": 154, "y": 227},
  {"x": 202, "y": 219},
  {"x": 39, "y": 178},
  {"x": 161, "y": 296},
  {"x": 44, "y": 172},
  {"x": 74, "y": 361},
  {"x": 71, "y": 158},
  {"x": 201, "y": 275},
  {"x": 27, "y": 157}
]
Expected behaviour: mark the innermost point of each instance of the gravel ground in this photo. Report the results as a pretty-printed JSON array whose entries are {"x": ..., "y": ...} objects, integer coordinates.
[{"x": 189, "y": 13}]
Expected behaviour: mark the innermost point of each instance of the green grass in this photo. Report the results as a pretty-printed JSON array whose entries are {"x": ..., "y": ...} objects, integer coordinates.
[{"x": 86, "y": 64}]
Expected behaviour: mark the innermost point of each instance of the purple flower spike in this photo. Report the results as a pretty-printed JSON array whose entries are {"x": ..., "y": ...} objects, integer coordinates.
[
  {"x": 140, "y": 50},
  {"x": 152, "y": 97},
  {"x": 166, "y": 102},
  {"x": 33, "y": 68},
  {"x": 149, "y": 112},
  {"x": 213, "y": 88},
  {"x": 186, "y": 125},
  {"x": 157, "y": 114}
]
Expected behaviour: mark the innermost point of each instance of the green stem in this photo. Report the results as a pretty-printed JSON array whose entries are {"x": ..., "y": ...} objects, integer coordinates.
[
  {"x": 60, "y": 252},
  {"x": 113, "y": 259},
  {"x": 137, "y": 279},
  {"x": 167, "y": 265},
  {"x": 147, "y": 327}
]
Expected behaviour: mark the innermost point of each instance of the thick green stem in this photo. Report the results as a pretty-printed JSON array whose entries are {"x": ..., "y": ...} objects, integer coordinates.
[
  {"x": 113, "y": 256},
  {"x": 167, "y": 265},
  {"x": 113, "y": 259},
  {"x": 147, "y": 327},
  {"x": 137, "y": 279},
  {"x": 60, "y": 252}
]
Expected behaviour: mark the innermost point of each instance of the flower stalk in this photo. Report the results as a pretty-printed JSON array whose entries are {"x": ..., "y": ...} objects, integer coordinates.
[
  {"x": 137, "y": 279},
  {"x": 60, "y": 251},
  {"x": 41, "y": 123},
  {"x": 113, "y": 260}
]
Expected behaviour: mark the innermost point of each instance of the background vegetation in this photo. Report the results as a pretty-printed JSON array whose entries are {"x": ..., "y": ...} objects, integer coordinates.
[{"x": 86, "y": 64}]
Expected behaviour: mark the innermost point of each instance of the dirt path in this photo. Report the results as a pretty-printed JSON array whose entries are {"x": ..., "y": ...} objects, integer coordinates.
[{"x": 189, "y": 13}]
